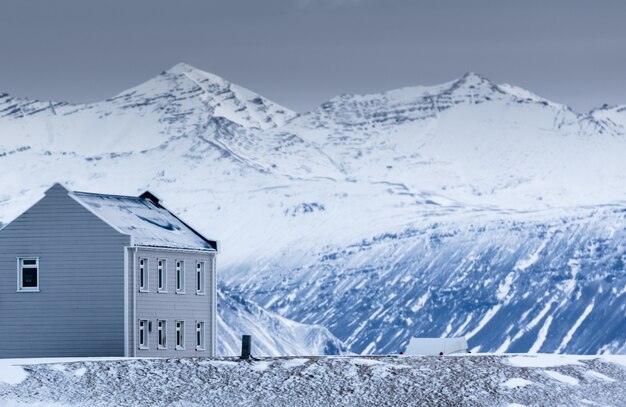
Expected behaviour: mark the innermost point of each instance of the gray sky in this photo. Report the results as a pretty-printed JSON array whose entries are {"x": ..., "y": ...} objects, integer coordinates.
[{"x": 302, "y": 52}]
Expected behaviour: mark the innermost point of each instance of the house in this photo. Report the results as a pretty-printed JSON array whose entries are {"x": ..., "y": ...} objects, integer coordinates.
[
  {"x": 436, "y": 346},
  {"x": 85, "y": 274}
]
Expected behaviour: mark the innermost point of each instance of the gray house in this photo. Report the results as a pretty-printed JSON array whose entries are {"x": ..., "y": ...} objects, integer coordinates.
[{"x": 85, "y": 274}]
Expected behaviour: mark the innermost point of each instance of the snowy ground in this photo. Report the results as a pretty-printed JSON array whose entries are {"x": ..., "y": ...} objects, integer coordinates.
[{"x": 476, "y": 380}]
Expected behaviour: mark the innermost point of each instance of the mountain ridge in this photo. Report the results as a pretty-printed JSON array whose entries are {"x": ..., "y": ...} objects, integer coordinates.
[
  {"x": 377, "y": 217},
  {"x": 183, "y": 68}
]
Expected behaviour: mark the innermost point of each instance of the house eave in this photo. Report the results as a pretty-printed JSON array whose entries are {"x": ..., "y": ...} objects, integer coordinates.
[{"x": 175, "y": 249}]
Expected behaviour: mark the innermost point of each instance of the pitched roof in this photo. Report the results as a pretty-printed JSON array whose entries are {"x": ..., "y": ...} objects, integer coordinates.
[{"x": 143, "y": 218}]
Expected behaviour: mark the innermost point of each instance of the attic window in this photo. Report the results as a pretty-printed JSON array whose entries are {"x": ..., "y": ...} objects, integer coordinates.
[{"x": 28, "y": 274}]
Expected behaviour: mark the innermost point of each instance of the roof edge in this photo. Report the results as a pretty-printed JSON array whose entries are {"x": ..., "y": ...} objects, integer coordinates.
[
  {"x": 149, "y": 195},
  {"x": 172, "y": 248},
  {"x": 213, "y": 243}
]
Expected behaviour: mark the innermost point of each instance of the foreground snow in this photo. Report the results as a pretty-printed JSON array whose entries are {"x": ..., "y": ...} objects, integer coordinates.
[{"x": 361, "y": 380}]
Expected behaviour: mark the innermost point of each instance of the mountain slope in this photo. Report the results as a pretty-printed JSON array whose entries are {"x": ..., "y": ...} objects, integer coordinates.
[
  {"x": 524, "y": 282},
  {"x": 272, "y": 335},
  {"x": 467, "y": 208}
]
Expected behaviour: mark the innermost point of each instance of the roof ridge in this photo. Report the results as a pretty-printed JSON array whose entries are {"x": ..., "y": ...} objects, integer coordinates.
[{"x": 102, "y": 194}]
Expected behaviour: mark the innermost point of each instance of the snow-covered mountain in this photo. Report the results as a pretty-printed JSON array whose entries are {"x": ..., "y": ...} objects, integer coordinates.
[
  {"x": 272, "y": 334},
  {"x": 468, "y": 208},
  {"x": 139, "y": 118}
]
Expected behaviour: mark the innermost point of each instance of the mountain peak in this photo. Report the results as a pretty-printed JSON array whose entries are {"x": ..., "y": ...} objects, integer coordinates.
[
  {"x": 217, "y": 95},
  {"x": 184, "y": 70},
  {"x": 181, "y": 66},
  {"x": 474, "y": 82},
  {"x": 477, "y": 82},
  {"x": 473, "y": 77}
]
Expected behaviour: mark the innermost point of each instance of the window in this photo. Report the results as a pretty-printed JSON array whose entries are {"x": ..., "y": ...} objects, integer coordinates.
[
  {"x": 143, "y": 334},
  {"x": 199, "y": 335},
  {"x": 143, "y": 275},
  {"x": 28, "y": 274},
  {"x": 180, "y": 335},
  {"x": 180, "y": 276},
  {"x": 161, "y": 276},
  {"x": 162, "y": 334},
  {"x": 200, "y": 277}
]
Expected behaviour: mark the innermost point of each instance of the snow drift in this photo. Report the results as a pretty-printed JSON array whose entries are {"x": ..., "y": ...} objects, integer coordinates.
[{"x": 483, "y": 380}]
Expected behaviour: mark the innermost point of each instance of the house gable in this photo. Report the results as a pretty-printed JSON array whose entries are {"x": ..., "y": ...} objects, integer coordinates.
[
  {"x": 78, "y": 309},
  {"x": 55, "y": 204}
]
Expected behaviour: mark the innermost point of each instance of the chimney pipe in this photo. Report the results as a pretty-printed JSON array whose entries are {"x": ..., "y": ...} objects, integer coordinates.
[{"x": 246, "y": 346}]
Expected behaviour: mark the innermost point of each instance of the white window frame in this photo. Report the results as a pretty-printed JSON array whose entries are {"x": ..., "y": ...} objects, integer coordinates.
[
  {"x": 162, "y": 275},
  {"x": 200, "y": 330},
  {"x": 180, "y": 277},
  {"x": 201, "y": 277},
  {"x": 180, "y": 327},
  {"x": 161, "y": 334},
  {"x": 144, "y": 271},
  {"x": 20, "y": 267},
  {"x": 144, "y": 325}
]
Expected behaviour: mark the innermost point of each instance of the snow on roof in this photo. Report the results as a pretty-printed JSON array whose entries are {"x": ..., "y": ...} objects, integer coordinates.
[{"x": 145, "y": 220}]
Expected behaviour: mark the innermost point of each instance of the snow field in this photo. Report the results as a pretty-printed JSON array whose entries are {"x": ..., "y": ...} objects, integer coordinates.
[{"x": 480, "y": 380}]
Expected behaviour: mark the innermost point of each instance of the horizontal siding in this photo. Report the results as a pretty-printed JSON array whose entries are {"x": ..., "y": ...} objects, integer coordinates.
[
  {"x": 80, "y": 308},
  {"x": 171, "y": 306}
]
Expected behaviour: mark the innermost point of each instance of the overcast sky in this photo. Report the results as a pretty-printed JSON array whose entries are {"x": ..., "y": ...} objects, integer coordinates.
[{"x": 302, "y": 52}]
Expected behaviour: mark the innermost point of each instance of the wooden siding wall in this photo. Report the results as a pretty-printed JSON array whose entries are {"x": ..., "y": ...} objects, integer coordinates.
[
  {"x": 170, "y": 306},
  {"x": 80, "y": 308}
]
